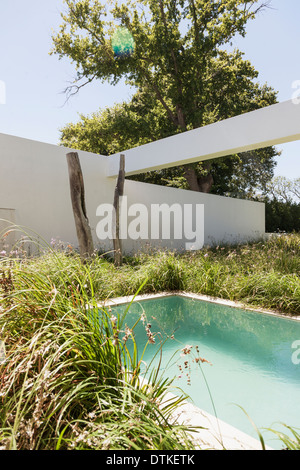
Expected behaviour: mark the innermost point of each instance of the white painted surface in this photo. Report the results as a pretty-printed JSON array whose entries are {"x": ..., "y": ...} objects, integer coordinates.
[
  {"x": 34, "y": 182},
  {"x": 226, "y": 220},
  {"x": 273, "y": 125}
]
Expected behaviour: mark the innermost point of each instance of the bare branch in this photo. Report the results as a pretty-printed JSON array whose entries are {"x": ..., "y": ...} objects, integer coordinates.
[{"x": 73, "y": 89}]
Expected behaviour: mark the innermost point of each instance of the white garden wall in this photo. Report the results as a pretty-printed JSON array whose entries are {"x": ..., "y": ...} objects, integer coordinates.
[
  {"x": 34, "y": 182},
  {"x": 35, "y": 194},
  {"x": 226, "y": 220}
]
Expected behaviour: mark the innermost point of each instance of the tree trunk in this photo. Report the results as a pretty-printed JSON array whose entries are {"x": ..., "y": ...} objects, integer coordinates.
[
  {"x": 201, "y": 184},
  {"x": 191, "y": 177},
  {"x": 205, "y": 183},
  {"x": 83, "y": 229},
  {"x": 119, "y": 191}
]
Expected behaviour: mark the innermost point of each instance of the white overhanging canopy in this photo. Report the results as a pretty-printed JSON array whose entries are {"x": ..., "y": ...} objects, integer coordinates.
[{"x": 273, "y": 125}]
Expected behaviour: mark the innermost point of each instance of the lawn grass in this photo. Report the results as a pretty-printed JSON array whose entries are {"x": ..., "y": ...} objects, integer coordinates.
[{"x": 69, "y": 382}]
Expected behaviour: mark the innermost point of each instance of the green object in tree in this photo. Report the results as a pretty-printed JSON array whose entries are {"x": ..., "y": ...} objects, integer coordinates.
[{"x": 122, "y": 42}]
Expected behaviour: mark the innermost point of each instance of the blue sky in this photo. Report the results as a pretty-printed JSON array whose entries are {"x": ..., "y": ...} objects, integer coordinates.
[{"x": 34, "y": 106}]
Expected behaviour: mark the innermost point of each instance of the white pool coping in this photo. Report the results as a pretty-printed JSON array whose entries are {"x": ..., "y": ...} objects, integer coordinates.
[
  {"x": 230, "y": 303},
  {"x": 215, "y": 433}
]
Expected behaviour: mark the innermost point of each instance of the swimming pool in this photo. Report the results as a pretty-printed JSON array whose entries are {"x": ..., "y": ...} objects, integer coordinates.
[{"x": 250, "y": 359}]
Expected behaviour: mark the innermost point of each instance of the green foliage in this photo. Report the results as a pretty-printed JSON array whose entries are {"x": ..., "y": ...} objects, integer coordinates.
[
  {"x": 185, "y": 76},
  {"x": 282, "y": 216},
  {"x": 282, "y": 201}
]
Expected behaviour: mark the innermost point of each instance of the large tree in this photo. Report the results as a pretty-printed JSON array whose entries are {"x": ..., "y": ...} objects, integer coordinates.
[{"x": 184, "y": 73}]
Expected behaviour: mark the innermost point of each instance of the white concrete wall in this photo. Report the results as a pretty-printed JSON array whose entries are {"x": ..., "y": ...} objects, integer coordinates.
[
  {"x": 34, "y": 186},
  {"x": 34, "y": 181},
  {"x": 226, "y": 220}
]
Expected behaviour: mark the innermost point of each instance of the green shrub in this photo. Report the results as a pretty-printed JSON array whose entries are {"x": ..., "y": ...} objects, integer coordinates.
[{"x": 282, "y": 216}]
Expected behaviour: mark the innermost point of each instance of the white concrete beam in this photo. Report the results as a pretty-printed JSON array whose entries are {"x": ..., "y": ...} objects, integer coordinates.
[{"x": 273, "y": 125}]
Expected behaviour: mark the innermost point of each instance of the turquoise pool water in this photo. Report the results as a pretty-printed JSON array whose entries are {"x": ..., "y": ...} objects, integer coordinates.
[{"x": 251, "y": 363}]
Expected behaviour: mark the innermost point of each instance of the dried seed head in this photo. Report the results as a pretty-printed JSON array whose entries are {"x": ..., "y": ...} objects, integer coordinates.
[{"x": 186, "y": 350}]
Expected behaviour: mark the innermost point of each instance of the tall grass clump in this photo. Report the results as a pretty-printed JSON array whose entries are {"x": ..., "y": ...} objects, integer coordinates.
[
  {"x": 69, "y": 380},
  {"x": 264, "y": 274},
  {"x": 162, "y": 271}
]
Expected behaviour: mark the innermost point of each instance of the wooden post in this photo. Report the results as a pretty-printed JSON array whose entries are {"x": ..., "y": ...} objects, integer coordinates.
[
  {"x": 83, "y": 229},
  {"x": 119, "y": 191}
]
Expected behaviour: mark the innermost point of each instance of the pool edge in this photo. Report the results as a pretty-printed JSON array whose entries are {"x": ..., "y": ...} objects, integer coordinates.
[
  {"x": 229, "y": 303},
  {"x": 215, "y": 433}
]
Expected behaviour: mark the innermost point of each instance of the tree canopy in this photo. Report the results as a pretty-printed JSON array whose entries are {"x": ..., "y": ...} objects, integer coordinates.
[{"x": 177, "y": 55}]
